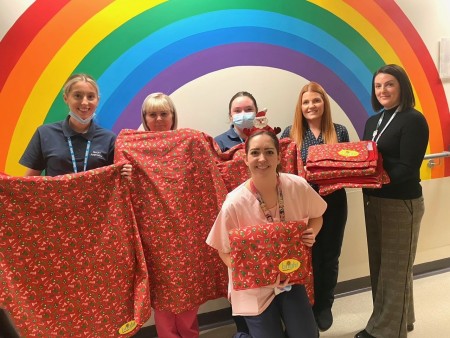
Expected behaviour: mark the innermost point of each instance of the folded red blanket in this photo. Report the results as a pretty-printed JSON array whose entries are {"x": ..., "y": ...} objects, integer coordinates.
[
  {"x": 345, "y": 165},
  {"x": 329, "y": 188},
  {"x": 377, "y": 177},
  {"x": 348, "y": 155},
  {"x": 336, "y": 173},
  {"x": 71, "y": 261},
  {"x": 260, "y": 252}
]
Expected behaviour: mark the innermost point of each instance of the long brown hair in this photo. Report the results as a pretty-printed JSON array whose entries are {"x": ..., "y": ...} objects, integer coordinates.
[{"x": 300, "y": 125}]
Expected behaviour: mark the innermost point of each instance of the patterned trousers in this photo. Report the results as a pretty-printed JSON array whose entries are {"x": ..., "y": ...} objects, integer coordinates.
[{"x": 392, "y": 228}]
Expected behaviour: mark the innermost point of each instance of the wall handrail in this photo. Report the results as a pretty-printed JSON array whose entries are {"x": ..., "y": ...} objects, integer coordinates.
[
  {"x": 437, "y": 155},
  {"x": 430, "y": 157}
]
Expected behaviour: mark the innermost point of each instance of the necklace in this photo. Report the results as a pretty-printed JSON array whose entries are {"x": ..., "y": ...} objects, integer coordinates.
[{"x": 274, "y": 211}]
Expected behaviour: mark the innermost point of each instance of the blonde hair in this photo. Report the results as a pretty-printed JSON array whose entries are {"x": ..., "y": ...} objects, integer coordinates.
[
  {"x": 300, "y": 124},
  {"x": 158, "y": 102},
  {"x": 79, "y": 78}
]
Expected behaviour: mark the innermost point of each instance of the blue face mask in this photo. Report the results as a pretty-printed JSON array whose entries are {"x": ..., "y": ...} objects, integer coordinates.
[
  {"x": 244, "y": 120},
  {"x": 79, "y": 119}
]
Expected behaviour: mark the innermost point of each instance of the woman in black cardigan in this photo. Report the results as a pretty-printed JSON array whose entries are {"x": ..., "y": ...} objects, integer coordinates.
[{"x": 394, "y": 212}]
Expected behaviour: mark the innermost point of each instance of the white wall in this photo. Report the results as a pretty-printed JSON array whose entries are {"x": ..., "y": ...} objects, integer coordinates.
[
  {"x": 10, "y": 12},
  {"x": 431, "y": 20},
  {"x": 280, "y": 101}
]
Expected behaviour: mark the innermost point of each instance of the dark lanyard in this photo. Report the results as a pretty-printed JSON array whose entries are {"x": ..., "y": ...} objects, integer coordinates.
[
  {"x": 375, "y": 135},
  {"x": 72, "y": 155},
  {"x": 263, "y": 206}
]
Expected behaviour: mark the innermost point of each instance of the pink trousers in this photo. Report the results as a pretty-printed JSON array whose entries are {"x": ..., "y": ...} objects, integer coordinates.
[{"x": 181, "y": 325}]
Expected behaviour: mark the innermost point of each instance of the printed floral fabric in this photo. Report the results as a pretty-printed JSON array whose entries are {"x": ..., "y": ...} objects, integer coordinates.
[
  {"x": 345, "y": 165},
  {"x": 71, "y": 262},
  {"x": 260, "y": 252},
  {"x": 177, "y": 192}
]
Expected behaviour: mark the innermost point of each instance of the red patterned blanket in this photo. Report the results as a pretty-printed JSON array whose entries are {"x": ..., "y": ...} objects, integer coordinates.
[
  {"x": 177, "y": 192},
  {"x": 71, "y": 262}
]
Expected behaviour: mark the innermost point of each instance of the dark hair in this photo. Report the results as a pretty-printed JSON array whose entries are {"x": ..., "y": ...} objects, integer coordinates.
[
  {"x": 274, "y": 138},
  {"x": 239, "y": 94},
  {"x": 407, "y": 99}
]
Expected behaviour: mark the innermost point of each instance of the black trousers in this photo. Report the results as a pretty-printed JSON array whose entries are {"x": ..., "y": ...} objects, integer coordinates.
[
  {"x": 327, "y": 249},
  {"x": 241, "y": 324},
  {"x": 7, "y": 328}
]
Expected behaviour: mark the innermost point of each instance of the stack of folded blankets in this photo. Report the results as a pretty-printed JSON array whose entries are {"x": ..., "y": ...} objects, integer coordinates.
[{"x": 345, "y": 165}]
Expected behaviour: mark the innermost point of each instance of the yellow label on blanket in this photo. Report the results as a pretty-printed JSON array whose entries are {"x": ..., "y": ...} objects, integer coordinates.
[
  {"x": 128, "y": 327},
  {"x": 348, "y": 153},
  {"x": 289, "y": 265}
]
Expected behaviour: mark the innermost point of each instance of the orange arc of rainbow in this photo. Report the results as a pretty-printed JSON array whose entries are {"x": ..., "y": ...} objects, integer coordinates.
[
  {"x": 34, "y": 61},
  {"x": 409, "y": 58}
]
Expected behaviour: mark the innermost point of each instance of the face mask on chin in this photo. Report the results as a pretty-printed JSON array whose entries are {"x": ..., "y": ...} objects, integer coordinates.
[
  {"x": 80, "y": 120},
  {"x": 244, "y": 120}
]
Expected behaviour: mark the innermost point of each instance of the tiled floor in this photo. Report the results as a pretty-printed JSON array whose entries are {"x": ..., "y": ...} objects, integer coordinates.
[{"x": 432, "y": 306}]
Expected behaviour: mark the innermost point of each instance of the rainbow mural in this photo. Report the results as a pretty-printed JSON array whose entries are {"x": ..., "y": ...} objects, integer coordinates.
[{"x": 136, "y": 47}]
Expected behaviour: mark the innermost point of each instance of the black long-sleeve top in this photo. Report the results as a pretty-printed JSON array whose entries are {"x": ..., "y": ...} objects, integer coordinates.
[{"x": 402, "y": 145}]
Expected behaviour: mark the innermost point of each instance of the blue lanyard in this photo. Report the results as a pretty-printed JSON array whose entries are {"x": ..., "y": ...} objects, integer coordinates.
[{"x": 72, "y": 154}]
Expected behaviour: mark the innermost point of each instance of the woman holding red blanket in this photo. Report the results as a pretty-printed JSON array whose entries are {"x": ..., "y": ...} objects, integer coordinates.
[
  {"x": 394, "y": 212},
  {"x": 269, "y": 196},
  {"x": 313, "y": 125},
  {"x": 241, "y": 112},
  {"x": 77, "y": 143},
  {"x": 159, "y": 114}
]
